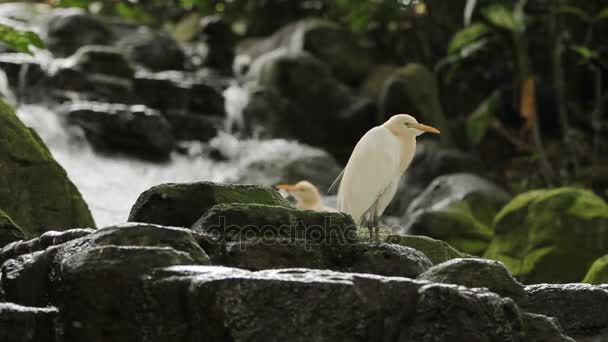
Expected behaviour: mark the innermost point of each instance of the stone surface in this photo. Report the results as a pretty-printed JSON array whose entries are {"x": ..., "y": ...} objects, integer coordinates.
[
  {"x": 135, "y": 130},
  {"x": 9, "y": 231},
  {"x": 105, "y": 60},
  {"x": 181, "y": 204},
  {"x": 34, "y": 190},
  {"x": 580, "y": 308},
  {"x": 550, "y": 235},
  {"x": 389, "y": 260},
  {"x": 540, "y": 328},
  {"x": 458, "y": 209},
  {"x": 477, "y": 273},
  {"x": 26, "y": 324},
  {"x": 598, "y": 272},
  {"x": 436, "y": 250},
  {"x": 153, "y": 49}
]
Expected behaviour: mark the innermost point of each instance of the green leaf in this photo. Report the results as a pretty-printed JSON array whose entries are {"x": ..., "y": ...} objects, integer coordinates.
[
  {"x": 575, "y": 11},
  {"x": 585, "y": 52},
  {"x": 21, "y": 41},
  {"x": 480, "y": 120},
  {"x": 602, "y": 15},
  {"x": 466, "y": 36},
  {"x": 500, "y": 16}
]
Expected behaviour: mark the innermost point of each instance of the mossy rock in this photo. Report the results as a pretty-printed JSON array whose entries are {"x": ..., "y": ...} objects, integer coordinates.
[
  {"x": 9, "y": 231},
  {"x": 181, "y": 204},
  {"x": 598, "y": 272},
  {"x": 550, "y": 236},
  {"x": 35, "y": 190},
  {"x": 438, "y": 251}
]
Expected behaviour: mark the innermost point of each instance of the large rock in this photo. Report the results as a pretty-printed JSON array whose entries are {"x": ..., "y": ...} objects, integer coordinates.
[
  {"x": 436, "y": 250},
  {"x": 388, "y": 260},
  {"x": 68, "y": 29},
  {"x": 26, "y": 324},
  {"x": 135, "y": 130},
  {"x": 94, "y": 59},
  {"x": 248, "y": 306},
  {"x": 34, "y": 190},
  {"x": 598, "y": 272},
  {"x": 550, "y": 235},
  {"x": 218, "y": 41},
  {"x": 458, "y": 209},
  {"x": 540, "y": 328},
  {"x": 303, "y": 97},
  {"x": 153, "y": 49},
  {"x": 9, "y": 231},
  {"x": 430, "y": 162},
  {"x": 580, "y": 308},
  {"x": 477, "y": 273},
  {"x": 24, "y": 72},
  {"x": 181, "y": 205}
]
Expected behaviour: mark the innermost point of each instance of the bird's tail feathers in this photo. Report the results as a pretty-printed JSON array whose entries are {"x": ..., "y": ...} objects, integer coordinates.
[{"x": 336, "y": 183}]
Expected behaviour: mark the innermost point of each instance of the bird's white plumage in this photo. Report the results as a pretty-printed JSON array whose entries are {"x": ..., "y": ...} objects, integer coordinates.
[{"x": 373, "y": 182}]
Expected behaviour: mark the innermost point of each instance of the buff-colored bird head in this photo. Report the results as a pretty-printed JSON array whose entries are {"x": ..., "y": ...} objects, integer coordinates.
[
  {"x": 407, "y": 125},
  {"x": 307, "y": 195}
]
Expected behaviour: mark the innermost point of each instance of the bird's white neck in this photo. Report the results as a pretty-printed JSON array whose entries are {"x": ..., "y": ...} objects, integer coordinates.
[{"x": 408, "y": 146}]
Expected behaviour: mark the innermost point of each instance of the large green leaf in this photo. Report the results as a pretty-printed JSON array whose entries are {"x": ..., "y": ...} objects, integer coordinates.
[
  {"x": 500, "y": 16},
  {"x": 480, "y": 120},
  {"x": 585, "y": 53},
  {"x": 575, "y": 11},
  {"x": 19, "y": 40},
  {"x": 466, "y": 36}
]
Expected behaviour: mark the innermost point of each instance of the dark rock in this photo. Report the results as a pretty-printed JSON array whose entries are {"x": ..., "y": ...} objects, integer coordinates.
[
  {"x": 182, "y": 204},
  {"x": 9, "y": 231},
  {"x": 24, "y": 72},
  {"x": 458, "y": 209},
  {"x": 436, "y": 250},
  {"x": 550, "y": 235},
  {"x": 26, "y": 324},
  {"x": 25, "y": 279},
  {"x": 278, "y": 161},
  {"x": 244, "y": 221},
  {"x": 194, "y": 127},
  {"x": 389, "y": 260},
  {"x": 155, "y": 50},
  {"x": 598, "y": 272},
  {"x": 477, "y": 273},
  {"x": 224, "y": 302},
  {"x": 580, "y": 308},
  {"x": 540, "y": 328},
  {"x": 219, "y": 41},
  {"x": 134, "y": 129},
  {"x": 34, "y": 190},
  {"x": 430, "y": 162},
  {"x": 64, "y": 82},
  {"x": 69, "y": 29},
  {"x": 103, "y": 60}
]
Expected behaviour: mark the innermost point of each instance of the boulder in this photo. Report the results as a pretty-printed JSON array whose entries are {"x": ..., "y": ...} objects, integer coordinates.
[
  {"x": 136, "y": 129},
  {"x": 550, "y": 235},
  {"x": 580, "y": 308},
  {"x": 388, "y": 260},
  {"x": 34, "y": 190},
  {"x": 105, "y": 60},
  {"x": 477, "y": 273},
  {"x": 154, "y": 50},
  {"x": 27, "y": 324},
  {"x": 9, "y": 231},
  {"x": 278, "y": 162},
  {"x": 598, "y": 272},
  {"x": 430, "y": 162},
  {"x": 540, "y": 328},
  {"x": 250, "y": 306},
  {"x": 181, "y": 205},
  {"x": 23, "y": 71},
  {"x": 194, "y": 127},
  {"x": 218, "y": 41},
  {"x": 458, "y": 209},
  {"x": 64, "y": 82},
  {"x": 436, "y": 250},
  {"x": 67, "y": 30}
]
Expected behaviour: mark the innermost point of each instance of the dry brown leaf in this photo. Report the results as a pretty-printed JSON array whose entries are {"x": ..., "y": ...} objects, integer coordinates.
[{"x": 528, "y": 103}]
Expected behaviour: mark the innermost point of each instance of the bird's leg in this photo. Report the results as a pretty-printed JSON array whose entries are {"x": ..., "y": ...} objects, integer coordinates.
[
  {"x": 376, "y": 226},
  {"x": 370, "y": 227}
]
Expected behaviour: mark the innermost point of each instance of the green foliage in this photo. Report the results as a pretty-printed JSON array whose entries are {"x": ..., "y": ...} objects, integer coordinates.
[
  {"x": 467, "y": 36},
  {"x": 21, "y": 41},
  {"x": 480, "y": 121},
  {"x": 500, "y": 16}
]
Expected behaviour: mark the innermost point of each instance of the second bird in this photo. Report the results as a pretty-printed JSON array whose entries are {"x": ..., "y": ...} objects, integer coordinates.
[{"x": 371, "y": 176}]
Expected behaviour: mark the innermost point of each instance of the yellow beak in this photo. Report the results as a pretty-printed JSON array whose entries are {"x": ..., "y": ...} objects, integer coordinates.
[
  {"x": 425, "y": 128},
  {"x": 286, "y": 187}
]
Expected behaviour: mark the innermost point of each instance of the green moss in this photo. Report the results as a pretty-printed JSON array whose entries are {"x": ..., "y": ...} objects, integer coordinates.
[
  {"x": 363, "y": 233},
  {"x": 598, "y": 272},
  {"x": 34, "y": 190},
  {"x": 438, "y": 251},
  {"x": 9, "y": 231},
  {"x": 550, "y": 235}
]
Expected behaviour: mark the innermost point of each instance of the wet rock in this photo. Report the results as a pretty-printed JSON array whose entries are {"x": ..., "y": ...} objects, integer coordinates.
[
  {"x": 34, "y": 190},
  {"x": 68, "y": 29},
  {"x": 540, "y": 328},
  {"x": 136, "y": 129},
  {"x": 436, "y": 250},
  {"x": 194, "y": 127},
  {"x": 25, "y": 279},
  {"x": 65, "y": 82},
  {"x": 180, "y": 205},
  {"x": 550, "y": 235},
  {"x": 24, "y": 72},
  {"x": 389, "y": 260},
  {"x": 598, "y": 272},
  {"x": 277, "y": 162},
  {"x": 9, "y": 231},
  {"x": 237, "y": 303},
  {"x": 430, "y": 162},
  {"x": 27, "y": 324},
  {"x": 103, "y": 60},
  {"x": 219, "y": 42},
  {"x": 477, "y": 273},
  {"x": 458, "y": 209},
  {"x": 580, "y": 308},
  {"x": 243, "y": 221},
  {"x": 155, "y": 50}
]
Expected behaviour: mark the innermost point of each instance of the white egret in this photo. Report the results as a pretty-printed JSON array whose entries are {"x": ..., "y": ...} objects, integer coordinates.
[
  {"x": 371, "y": 176},
  {"x": 307, "y": 196}
]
